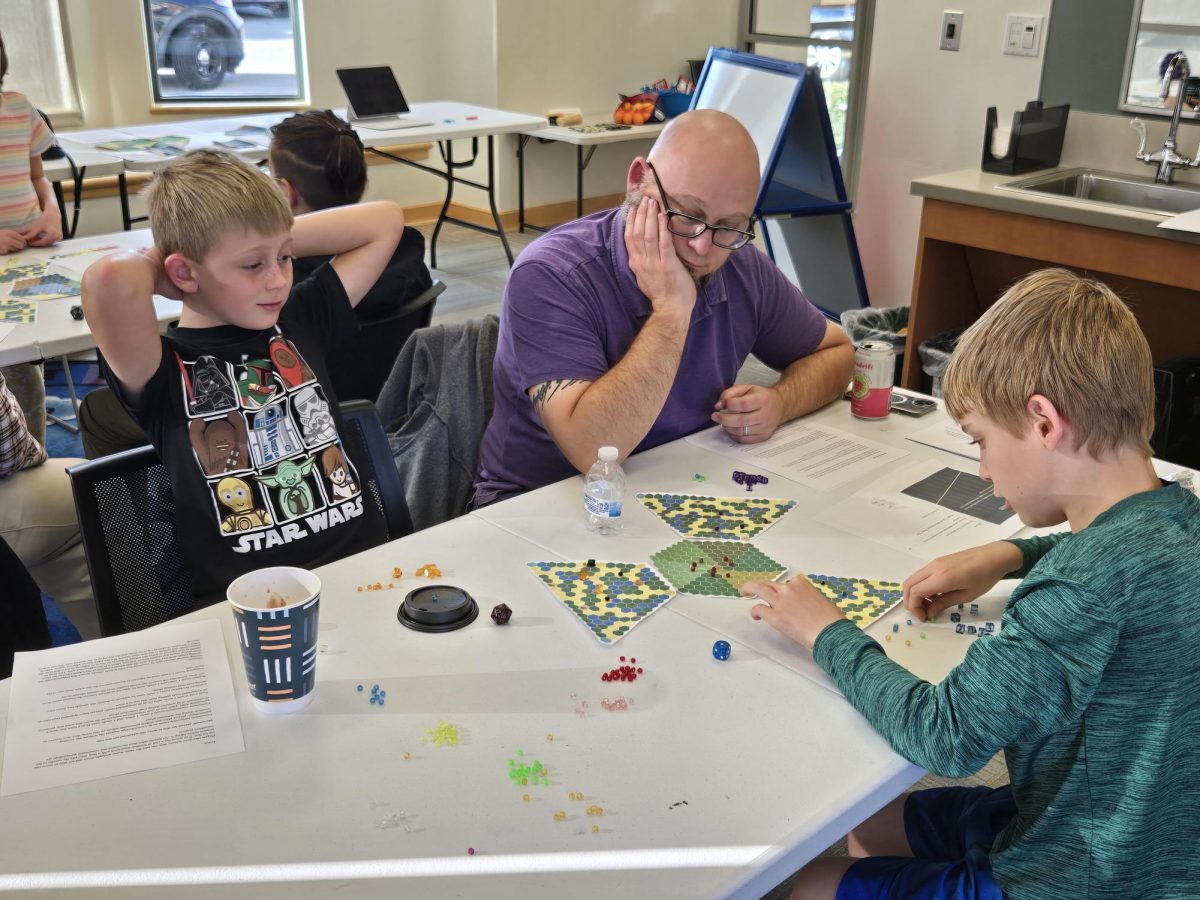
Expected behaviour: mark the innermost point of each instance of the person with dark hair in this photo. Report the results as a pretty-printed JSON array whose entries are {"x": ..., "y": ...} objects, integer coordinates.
[{"x": 319, "y": 163}]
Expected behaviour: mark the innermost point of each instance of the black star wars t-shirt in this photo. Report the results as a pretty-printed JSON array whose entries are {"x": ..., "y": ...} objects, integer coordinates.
[{"x": 246, "y": 423}]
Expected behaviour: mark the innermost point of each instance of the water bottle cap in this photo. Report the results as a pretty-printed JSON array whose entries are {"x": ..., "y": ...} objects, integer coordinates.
[{"x": 608, "y": 454}]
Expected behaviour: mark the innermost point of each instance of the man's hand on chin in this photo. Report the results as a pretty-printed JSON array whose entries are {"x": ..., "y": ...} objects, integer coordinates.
[{"x": 652, "y": 259}]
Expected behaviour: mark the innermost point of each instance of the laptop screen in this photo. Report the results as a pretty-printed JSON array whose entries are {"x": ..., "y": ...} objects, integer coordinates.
[{"x": 372, "y": 91}]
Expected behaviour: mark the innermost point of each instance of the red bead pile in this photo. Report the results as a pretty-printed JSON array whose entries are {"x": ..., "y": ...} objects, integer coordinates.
[{"x": 626, "y": 672}]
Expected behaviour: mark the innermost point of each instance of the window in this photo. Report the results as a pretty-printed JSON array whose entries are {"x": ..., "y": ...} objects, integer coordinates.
[
  {"x": 225, "y": 52},
  {"x": 833, "y": 36},
  {"x": 37, "y": 57}
]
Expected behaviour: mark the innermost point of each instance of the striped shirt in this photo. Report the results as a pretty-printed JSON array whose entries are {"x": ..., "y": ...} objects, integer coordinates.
[
  {"x": 1092, "y": 689},
  {"x": 23, "y": 134},
  {"x": 18, "y": 448}
]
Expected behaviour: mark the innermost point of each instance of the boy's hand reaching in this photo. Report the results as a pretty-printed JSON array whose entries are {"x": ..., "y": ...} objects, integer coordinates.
[
  {"x": 958, "y": 578},
  {"x": 11, "y": 241},
  {"x": 794, "y": 608}
]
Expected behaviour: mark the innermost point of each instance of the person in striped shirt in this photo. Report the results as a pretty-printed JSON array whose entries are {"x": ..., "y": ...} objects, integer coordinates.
[
  {"x": 29, "y": 216},
  {"x": 1091, "y": 687}
]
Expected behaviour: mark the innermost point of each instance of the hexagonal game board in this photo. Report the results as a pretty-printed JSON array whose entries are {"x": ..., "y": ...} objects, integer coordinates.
[
  {"x": 715, "y": 568},
  {"x": 610, "y": 598},
  {"x": 863, "y": 600},
  {"x": 716, "y": 518}
]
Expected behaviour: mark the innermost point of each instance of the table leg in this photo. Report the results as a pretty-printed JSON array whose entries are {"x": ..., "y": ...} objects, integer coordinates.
[
  {"x": 522, "y": 140},
  {"x": 62, "y": 207},
  {"x": 491, "y": 193},
  {"x": 123, "y": 189},
  {"x": 74, "y": 429},
  {"x": 580, "y": 165},
  {"x": 79, "y": 175},
  {"x": 448, "y": 157}
]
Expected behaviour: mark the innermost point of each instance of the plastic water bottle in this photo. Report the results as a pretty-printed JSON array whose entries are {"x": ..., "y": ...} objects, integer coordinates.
[{"x": 604, "y": 492}]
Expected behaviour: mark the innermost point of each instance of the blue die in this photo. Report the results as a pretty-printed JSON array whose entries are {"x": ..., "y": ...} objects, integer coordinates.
[{"x": 721, "y": 650}]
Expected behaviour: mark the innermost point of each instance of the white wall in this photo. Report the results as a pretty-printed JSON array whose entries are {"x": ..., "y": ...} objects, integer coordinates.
[
  {"x": 575, "y": 53},
  {"x": 925, "y": 111},
  {"x": 525, "y": 55}
]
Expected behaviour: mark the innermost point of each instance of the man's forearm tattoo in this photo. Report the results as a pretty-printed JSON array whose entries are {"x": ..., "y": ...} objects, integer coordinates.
[{"x": 547, "y": 389}]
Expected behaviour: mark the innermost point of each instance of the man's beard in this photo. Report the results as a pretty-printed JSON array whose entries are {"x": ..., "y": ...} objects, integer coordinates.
[{"x": 627, "y": 206}]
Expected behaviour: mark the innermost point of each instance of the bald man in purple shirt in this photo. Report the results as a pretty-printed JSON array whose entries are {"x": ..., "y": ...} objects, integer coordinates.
[{"x": 628, "y": 327}]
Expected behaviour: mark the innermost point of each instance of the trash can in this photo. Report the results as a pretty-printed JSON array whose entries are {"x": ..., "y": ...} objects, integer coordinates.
[
  {"x": 889, "y": 324},
  {"x": 935, "y": 357}
]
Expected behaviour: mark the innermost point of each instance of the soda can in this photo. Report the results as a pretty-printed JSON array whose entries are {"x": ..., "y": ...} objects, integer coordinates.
[{"x": 871, "y": 391}]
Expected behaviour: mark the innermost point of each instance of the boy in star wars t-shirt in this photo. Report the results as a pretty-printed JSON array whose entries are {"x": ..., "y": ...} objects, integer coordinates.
[{"x": 236, "y": 398}]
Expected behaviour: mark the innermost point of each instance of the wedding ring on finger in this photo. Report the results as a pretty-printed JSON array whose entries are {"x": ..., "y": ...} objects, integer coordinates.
[{"x": 745, "y": 430}]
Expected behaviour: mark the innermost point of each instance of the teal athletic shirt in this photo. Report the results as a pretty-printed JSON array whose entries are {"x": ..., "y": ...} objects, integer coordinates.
[{"x": 1092, "y": 688}]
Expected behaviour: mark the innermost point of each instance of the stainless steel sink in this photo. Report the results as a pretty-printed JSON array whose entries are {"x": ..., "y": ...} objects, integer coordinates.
[{"x": 1111, "y": 189}]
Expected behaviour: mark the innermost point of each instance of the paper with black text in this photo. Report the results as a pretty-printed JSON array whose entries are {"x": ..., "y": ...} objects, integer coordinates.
[
  {"x": 146, "y": 700},
  {"x": 945, "y": 434},
  {"x": 816, "y": 456},
  {"x": 924, "y": 508}
]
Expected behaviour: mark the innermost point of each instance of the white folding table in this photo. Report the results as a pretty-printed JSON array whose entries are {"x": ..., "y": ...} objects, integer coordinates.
[{"x": 717, "y": 779}]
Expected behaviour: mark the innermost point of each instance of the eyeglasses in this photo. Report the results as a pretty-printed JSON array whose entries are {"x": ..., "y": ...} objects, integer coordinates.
[{"x": 692, "y": 227}]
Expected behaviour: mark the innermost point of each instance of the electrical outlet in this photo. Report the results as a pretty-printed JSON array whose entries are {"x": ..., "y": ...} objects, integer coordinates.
[
  {"x": 952, "y": 24},
  {"x": 1023, "y": 35}
]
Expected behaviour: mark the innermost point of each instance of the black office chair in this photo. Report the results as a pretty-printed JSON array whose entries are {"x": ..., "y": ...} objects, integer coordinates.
[
  {"x": 127, "y": 517},
  {"x": 361, "y": 365}
]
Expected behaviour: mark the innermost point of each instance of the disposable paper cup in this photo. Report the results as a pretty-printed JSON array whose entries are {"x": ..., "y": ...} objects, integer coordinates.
[{"x": 275, "y": 614}]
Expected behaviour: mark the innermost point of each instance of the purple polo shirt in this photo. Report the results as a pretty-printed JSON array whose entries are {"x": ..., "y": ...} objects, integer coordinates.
[{"x": 571, "y": 310}]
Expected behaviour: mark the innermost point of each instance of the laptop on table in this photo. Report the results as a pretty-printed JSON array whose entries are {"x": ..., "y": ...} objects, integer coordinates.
[{"x": 375, "y": 100}]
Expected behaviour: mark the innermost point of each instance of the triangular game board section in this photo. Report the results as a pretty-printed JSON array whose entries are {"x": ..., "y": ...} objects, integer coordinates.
[
  {"x": 715, "y": 568},
  {"x": 716, "y": 518},
  {"x": 610, "y": 598}
]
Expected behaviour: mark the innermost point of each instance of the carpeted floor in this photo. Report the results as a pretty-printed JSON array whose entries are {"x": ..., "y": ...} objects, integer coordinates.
[{"x": 61, "y": 442}]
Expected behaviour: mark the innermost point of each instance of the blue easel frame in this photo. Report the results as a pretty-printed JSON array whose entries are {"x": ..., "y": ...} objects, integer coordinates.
[{"x": 803, "y": 176}]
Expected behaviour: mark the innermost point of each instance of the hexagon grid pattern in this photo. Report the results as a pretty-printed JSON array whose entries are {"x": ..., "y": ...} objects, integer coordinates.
[
  {"x": 716, "y": 518},
  {"x": 715, "y": 568},
  {"x": 863, "y": 600},
  {"x": 610, "y": 598}
]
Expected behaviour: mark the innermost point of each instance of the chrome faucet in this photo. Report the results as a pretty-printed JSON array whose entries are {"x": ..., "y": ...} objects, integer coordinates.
[{"x": 1167, "y": 159}]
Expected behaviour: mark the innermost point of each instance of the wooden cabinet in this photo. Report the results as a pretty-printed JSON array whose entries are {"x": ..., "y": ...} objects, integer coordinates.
[{"x": 967, "y": 256}]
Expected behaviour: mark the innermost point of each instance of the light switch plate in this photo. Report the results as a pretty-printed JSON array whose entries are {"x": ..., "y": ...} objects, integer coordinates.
[
  {"x": 952, "y": 24},
  {"x": 1023, "y": 35}
]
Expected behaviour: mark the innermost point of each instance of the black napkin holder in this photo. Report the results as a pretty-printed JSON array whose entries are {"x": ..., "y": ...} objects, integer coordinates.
[{"x": 1035, "y": 143}]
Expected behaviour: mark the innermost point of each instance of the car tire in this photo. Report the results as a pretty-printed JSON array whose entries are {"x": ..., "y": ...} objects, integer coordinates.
[{"x": 198, "y": 58}]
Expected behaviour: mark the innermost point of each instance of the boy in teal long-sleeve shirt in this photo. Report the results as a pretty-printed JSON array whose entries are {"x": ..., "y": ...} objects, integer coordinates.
[{"x": 1091, "y": 687}]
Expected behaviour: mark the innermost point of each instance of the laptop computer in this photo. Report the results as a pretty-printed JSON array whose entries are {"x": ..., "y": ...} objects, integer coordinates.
[{"x": 375, "y": 100}]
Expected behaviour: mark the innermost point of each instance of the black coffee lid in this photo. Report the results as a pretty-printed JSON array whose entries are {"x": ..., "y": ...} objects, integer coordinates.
[{"x": 438, "y": 607}]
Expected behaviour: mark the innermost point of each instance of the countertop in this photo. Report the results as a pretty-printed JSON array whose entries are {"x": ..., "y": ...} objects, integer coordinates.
[{"x": 973, "y": 187}]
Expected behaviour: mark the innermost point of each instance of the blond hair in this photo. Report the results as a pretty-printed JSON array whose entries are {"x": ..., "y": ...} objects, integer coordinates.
[
  {"x": 1073, "y": 341},
  {"x": 196, "y": 199}
]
